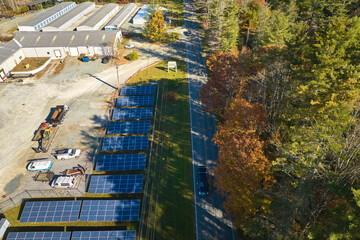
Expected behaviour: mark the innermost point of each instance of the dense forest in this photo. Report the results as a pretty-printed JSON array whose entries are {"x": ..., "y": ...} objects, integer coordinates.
[{"x": 284, "y": 87}]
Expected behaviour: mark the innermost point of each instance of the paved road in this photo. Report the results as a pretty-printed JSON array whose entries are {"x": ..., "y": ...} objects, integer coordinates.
[{"x": 210, "y": 216}]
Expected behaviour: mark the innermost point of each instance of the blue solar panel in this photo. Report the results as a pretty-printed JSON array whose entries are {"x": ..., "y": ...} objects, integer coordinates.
[
  {"x": 116, "y": 184},
  {"x": 129, "y": 127},
  {"x": 39, "y": 236},
  {"x": 110, "y": 210},
  {"x": 104, "y": 235},
  {"x": 51, "y": 211},
  {"x": 135, "y": 101},
  {"x": 132, "y": 113},
  {"x": 125, "y": 143},
  {"x": 119, "y": 162},
  {"x": 137, "y": 90}
]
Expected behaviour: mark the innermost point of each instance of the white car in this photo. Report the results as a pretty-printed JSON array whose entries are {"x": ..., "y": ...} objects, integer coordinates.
[
  {"x": 39, "y": 165},
  {"x": 130, "y": 45},
  {"x": 64, "y": 182},
  {"x": 67, "y": 153}
]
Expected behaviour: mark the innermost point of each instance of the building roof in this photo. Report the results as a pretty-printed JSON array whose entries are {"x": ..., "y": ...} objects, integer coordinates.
[
  {"x": 142, "y": 13},
  {"x": 70, "y": 15},
  {"x": 66, "y": 39},
  {"x": 8, "y": 49},
  {"x": 124, "y": 13},
  {"x": 98, "y": 15},
  {"x": 45, "y": 15}
]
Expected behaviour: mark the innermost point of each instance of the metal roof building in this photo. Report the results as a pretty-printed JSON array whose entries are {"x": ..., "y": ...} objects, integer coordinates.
[
  {"x": 10, "y": 55},
  {"x": 68, "y": 43},
  {"x": 98, "y": 18},
  {"x": 121, "y": 17},
  {"x": 70, "y": 17},
  {"x": 47, "y": 17},
  {"x": 142, "y": 15}
]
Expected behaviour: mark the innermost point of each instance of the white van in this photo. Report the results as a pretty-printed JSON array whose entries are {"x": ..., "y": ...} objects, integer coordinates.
[{"x": 64, "y": 182}]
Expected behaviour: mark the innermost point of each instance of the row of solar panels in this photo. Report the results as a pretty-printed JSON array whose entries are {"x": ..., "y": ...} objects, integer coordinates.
[
  {"x": 75, "y": 235},
  {"x": 81, "y": 210}
]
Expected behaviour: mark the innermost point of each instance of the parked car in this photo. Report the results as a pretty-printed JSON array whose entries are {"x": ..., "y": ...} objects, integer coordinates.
[
  {"x": 130, "y": 45},
  {"x": 203, "y": 184},
  {"x": 64, "y": 182},
  {"x": 188, "y": 33},
  {"x": 105, "y": 60},
  {"x": 67, "y": 153},
  {"x": 39, "y": 165}
]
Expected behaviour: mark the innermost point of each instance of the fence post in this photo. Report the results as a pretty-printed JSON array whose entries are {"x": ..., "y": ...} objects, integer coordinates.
[{"x": 28, "y": 193}]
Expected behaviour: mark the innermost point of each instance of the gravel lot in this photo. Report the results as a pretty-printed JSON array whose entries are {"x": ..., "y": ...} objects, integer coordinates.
[{"x": 86, "y": 88}]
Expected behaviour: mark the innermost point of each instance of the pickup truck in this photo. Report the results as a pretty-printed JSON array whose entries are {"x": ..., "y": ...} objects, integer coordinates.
[{"x": 67, "y": 153}]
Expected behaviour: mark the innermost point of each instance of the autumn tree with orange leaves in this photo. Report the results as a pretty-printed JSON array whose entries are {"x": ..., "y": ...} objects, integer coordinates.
[
  {"x": 227, "y": 78},
  {"x": 242, "y": 166},
  {"x": 155, "y": 28}
]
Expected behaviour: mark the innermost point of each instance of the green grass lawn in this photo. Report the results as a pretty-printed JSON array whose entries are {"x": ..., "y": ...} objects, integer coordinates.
[
  {"x": 176, "y": 10},
  {"x": 170, "y": 203}
]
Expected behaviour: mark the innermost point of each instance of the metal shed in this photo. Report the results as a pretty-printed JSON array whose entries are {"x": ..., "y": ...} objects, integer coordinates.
[
  {"x": 98, "y": 18},
  {"x": 121, "y": 17},
  {"x": 70, "y": 17},
  {"x": 68, "y": 43},
  {"x": 47, "y": 17}
]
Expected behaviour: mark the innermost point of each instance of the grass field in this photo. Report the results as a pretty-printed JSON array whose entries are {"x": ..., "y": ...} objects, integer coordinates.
[{"x": 170, "y": 209}]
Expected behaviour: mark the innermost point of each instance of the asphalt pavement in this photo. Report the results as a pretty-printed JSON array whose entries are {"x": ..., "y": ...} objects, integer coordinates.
[{"x": 211, "y": 221}]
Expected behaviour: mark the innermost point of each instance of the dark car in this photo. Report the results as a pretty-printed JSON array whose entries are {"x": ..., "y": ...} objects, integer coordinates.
[
  {"x": 189, "y": 33},
  {"x": 203, "y": 184}
]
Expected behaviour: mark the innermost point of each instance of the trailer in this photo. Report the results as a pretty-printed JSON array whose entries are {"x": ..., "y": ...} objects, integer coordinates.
[
  {"x": 44, "y": 176},
  {"x": 47, "y": 139},
  {"x": 39, "y": 132},
  {"x": 59, "y": 114},
  {"x": 75, "y": 171}
]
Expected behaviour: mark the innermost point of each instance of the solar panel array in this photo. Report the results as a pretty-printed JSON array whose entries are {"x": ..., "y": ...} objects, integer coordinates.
[
  {"x": 110, "y": 210},
  {"x": 51, "y": 211},
  {"x": 135, "y": 101},
  {"x": 129, "y": 127},
  {"x": 138, "y": 90},
  {"x": 76, "y": 235},
  {"x": 125, "y": 143},
  {"x": 104, "y": 235},
  {"x": 116, "y": 184},
  {"x": 132, "y": 113},
  {"x": 119, "y": 162},
  {"x": 39, "y": 236}
]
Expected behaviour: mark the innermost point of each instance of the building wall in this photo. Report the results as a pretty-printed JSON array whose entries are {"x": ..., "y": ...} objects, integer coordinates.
[{"x": 12, "y": 61}]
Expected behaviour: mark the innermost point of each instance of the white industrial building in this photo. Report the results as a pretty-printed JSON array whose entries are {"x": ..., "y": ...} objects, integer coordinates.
[
  {"x": 69, "y": 43},
  {"x": 120, "y": 18},
  {"x": 57, "y": 45},
  {"x": 48, "y": 16},
  {"x": 10, "y": 55},
  {"x": 100, "y": 17},
  {"x": 141, "y": 16},
  {"x": 70, "y": 17}
]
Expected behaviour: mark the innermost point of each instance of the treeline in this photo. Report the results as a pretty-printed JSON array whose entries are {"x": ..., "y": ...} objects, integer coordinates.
[{"x": 284, "y": 86}]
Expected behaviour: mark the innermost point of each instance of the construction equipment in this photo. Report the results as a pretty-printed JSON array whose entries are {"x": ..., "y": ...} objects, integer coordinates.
[{"x": 46, "y": 140}]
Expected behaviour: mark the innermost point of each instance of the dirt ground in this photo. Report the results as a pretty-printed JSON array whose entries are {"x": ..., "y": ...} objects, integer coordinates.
[
  {"x": 34, "y": 63},
  {"x": 87, "y": 88}
]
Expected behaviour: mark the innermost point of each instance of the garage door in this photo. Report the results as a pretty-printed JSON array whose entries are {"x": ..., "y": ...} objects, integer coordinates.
[
  {"x": 57, "y": 53},
  {"x": 98, "y": 51},
  {"x": 74, "y": 52}
]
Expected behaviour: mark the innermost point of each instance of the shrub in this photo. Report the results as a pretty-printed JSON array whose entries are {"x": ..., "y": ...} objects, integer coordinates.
[
  {"x": 171, "y": 37},
  {"x": 132, "y": 56}
]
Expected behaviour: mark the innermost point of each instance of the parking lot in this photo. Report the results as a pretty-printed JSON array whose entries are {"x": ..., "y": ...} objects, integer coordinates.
[{"x": 87, "y": 88}]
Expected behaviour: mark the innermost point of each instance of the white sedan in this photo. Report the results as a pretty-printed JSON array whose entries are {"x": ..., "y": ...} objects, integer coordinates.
[
  {"x": 130, "y": 45},
  {"x": 39, "y": 165}
]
